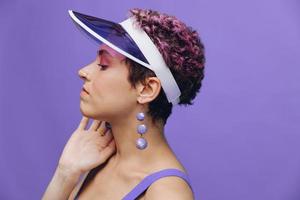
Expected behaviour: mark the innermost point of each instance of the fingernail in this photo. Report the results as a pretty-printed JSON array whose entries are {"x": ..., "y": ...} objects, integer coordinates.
[{"x": 107, "y": 125}]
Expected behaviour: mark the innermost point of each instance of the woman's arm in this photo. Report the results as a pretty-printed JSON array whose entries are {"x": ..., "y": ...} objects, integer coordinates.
[{"x": 61, "y": 185}]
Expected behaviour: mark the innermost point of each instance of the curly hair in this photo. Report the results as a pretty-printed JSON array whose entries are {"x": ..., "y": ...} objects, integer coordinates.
[{"x": 183, "y": 53}]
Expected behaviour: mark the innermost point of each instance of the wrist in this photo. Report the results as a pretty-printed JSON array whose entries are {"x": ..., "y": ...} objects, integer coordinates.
[
  {"x": 67, "y": 174},
  {"x": 62, "y": 184}
]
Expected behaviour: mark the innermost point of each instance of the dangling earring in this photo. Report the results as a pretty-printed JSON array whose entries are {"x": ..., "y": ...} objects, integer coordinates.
[{"x": 141, "y": 143}]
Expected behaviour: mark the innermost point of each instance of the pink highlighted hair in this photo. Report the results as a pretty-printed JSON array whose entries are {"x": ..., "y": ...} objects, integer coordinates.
[{"x": 183, "y": 52}]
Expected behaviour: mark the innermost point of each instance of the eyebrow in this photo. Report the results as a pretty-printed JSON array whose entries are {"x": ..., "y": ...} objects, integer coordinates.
[{"x": 103, "y": 51}]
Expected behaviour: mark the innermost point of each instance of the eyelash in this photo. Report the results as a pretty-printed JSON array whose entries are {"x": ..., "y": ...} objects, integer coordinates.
[{"x": 102, "y": 66}]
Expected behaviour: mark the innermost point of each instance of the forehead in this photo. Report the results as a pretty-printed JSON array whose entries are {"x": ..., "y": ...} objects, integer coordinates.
[{"x": 111, "y": 51}]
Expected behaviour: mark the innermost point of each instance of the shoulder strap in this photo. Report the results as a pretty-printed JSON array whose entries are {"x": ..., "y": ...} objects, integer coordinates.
[{"x": 148, "y": 180}]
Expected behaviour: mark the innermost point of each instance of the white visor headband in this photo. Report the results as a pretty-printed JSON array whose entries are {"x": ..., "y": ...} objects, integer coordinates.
[{"x": 155, "y": 60}]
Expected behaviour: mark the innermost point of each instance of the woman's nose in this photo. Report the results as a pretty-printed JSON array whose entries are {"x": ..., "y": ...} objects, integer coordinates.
[{"x": 82, "y": 74}]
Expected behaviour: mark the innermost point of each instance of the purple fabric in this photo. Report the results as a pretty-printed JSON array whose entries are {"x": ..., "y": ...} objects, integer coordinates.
[{"x": 148, "y": 180}]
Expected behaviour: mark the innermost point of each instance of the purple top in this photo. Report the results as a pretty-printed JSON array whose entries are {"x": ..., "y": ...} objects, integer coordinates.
[{"x": 148, "y": 180}]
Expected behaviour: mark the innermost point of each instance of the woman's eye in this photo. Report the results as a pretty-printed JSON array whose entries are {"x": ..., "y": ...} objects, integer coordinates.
[{"x": 102, "y": 66}]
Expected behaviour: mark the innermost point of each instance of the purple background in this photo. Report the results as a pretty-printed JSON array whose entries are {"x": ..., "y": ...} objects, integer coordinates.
[{"x": 239, "y": 141}]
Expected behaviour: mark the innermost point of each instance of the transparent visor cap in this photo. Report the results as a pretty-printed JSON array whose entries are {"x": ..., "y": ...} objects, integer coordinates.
[
  {"x": 108, "y": 32},
  {"x": 116, "y": 37}
]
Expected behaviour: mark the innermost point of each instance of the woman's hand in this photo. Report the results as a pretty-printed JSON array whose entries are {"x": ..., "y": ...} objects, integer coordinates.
[{"x": 86, "y": 148}]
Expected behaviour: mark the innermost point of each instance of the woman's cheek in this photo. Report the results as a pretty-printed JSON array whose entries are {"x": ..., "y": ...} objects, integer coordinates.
[{"x": 97, "y": 88}]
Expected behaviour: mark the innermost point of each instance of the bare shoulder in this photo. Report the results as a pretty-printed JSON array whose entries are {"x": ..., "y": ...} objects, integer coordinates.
[{"x": 169, "y": 188}]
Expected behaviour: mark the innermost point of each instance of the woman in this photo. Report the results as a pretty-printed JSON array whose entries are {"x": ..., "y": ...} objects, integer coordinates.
[{"x": 144, "y": 66}]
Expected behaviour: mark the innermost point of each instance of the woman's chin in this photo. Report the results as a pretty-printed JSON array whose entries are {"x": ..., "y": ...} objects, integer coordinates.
[
  {"x": 84, "y": 111},
  {"x": 88, "y": 113}
]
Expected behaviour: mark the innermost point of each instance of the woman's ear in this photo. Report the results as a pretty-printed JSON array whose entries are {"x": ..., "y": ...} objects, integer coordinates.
[{"x": 148, "y": 91}]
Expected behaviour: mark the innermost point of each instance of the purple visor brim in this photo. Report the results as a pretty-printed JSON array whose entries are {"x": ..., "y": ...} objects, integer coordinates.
[{"x": 108, "y": 32}]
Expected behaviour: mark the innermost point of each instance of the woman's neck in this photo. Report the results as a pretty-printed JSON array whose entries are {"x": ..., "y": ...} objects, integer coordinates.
[{"x": 125, "y": 136}]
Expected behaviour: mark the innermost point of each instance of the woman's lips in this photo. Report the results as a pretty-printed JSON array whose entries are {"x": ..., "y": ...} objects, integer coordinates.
[
  {"x": 84, "y": 88},
  {"x": 84, "y": 92}
]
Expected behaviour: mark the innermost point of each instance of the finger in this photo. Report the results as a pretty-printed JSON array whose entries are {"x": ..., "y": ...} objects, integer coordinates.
[
  {"x": 109, "y": 149},
  {"x": 83, "y": 123},
  {"x": 108, "y": 135},
  {"x": 105, "y": 139},
  {"x": 111, "y": 144},
  {"x": 95, "y": 125},
  {"x": 102, "y": 128}
]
